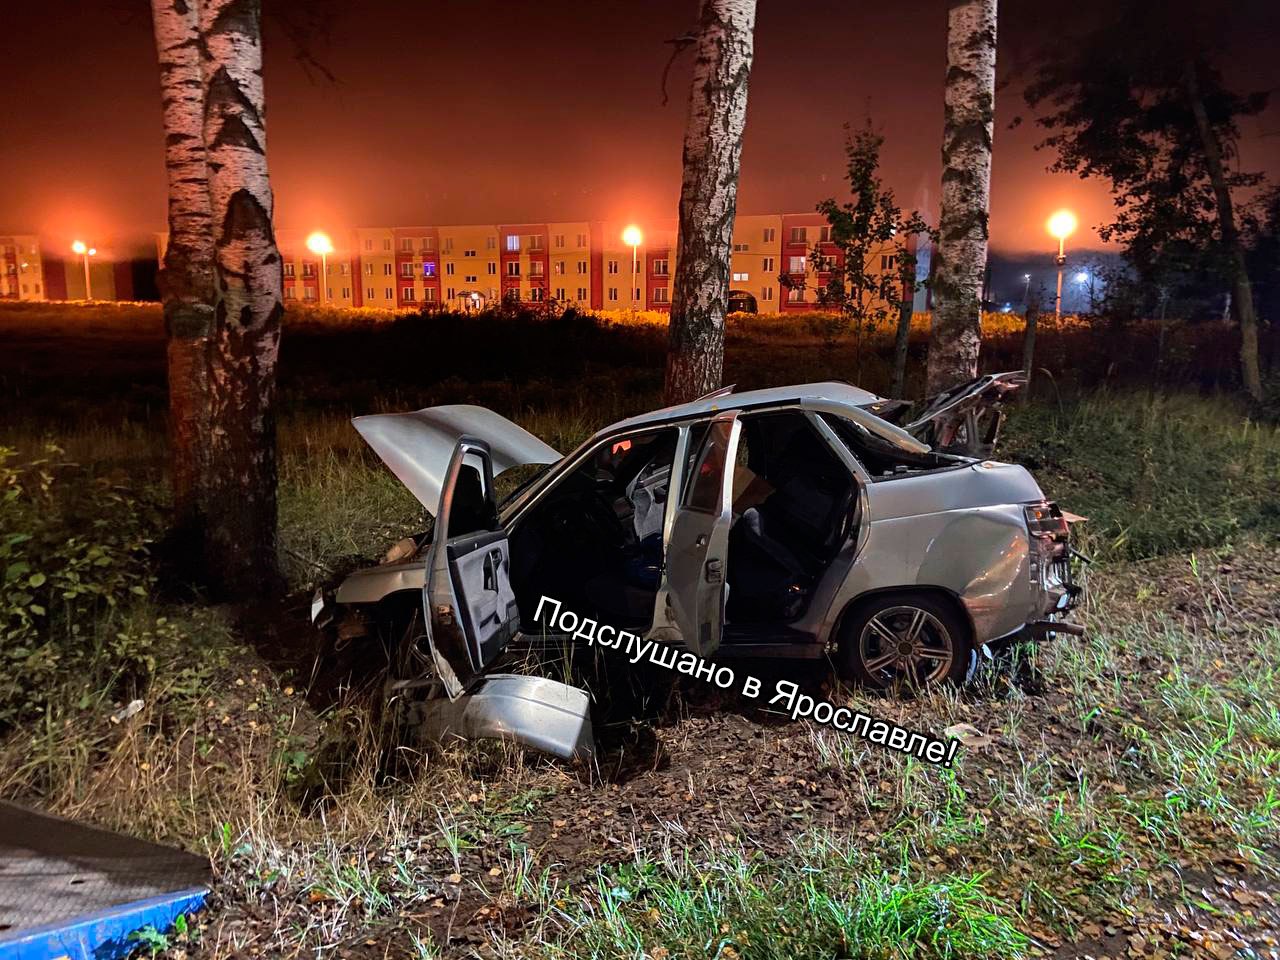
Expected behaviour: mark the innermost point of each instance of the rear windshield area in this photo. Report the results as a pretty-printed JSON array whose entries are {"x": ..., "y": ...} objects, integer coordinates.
[{"x": 884, "y": 460}]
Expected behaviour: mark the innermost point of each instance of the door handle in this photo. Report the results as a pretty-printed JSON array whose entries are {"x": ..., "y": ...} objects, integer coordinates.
[
  {"x": 715, "y": 571},
  {"x": 701, "y": 541}
]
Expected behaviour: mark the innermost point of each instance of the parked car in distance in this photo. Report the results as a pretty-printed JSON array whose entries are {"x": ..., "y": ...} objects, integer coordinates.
[{"x": 802, "y": 521}]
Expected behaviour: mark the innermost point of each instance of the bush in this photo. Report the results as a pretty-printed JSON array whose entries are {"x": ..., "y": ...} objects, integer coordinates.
[{"x": 73, "y": 550}]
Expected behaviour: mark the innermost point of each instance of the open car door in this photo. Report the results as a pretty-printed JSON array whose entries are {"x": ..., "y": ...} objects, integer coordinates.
[
  {"x": 469, "y": 605},
  {"x": 699, "y": 545}
]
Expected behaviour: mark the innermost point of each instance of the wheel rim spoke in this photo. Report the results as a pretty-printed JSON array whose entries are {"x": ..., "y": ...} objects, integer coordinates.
[
  {"x": 885, "y": 633},
  {"x": 927, "y": 653},
  {"x": 917, "y": 622},
  {"x": 880, "y": 662}
]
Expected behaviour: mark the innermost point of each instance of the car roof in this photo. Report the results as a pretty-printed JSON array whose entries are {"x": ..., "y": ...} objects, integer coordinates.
[{"x": 830, "y": 391}]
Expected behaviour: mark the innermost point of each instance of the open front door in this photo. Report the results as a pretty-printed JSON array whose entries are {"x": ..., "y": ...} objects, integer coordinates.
[
  {"x": 470, "y": 607},
  {"x": 699, "y": 545}
]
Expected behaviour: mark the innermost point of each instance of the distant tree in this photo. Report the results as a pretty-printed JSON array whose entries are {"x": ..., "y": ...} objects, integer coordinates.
[
  {"x": 961, "y": 254},
  {"x": 866, "y": 231},
  {"x": 223, "y": 370},
  {"x": 709, "y": 197},
  {"x": 1137, "y": 100}
]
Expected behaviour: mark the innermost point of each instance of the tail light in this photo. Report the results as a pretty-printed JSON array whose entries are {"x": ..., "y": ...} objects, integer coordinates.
[{"x": 1046, "y": 523}]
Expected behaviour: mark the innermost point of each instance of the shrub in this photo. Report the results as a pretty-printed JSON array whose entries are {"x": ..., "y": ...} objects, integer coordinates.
[{"x": 73, "y": 550}]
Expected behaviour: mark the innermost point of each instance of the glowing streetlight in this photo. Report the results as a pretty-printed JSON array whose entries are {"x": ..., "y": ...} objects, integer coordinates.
[
  {"x": 85, "y": 252},
  {"x": 319, "y": 243},
  {"x": 1061, "y": 225},
  {"x": 1026, "y": 290},
  {"x": 632, "y": 238}
]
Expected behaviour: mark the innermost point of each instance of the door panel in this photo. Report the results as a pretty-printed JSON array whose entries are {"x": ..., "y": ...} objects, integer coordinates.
[
  {"x": 471, "y": 611},
  {"x": 699, "y": 543}
]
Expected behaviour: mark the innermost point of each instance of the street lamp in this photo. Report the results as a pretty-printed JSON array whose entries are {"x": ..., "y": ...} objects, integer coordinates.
[
  {"x": 1061, "y": 225},
  {"x": 320, "y": 243},
  {"x": 85, "y": 253},
  {"x": 632, "y": 237},
  {"x": 1026, "y": 290}
]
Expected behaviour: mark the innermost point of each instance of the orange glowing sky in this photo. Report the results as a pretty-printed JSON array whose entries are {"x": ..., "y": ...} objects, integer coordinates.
[{"x": 456, "y": 112}]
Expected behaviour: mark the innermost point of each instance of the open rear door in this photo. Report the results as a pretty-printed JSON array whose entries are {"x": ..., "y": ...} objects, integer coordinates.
[
  {"x": 469, "y": 605},
  {"x": 699, "y": 545}
]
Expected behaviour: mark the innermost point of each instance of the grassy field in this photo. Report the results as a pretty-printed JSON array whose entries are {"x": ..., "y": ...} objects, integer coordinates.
[{"x": 1127, "y": 802}]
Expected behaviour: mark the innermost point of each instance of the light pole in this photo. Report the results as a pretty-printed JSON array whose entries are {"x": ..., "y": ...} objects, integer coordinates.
[
  {"x": 320, "y": 243},
  {"x": 85, "y": 253},
  {"x": 1061, "y": 225},
  {"x": 1026, "y": 291},
  {"x": 632, "y": 237}
]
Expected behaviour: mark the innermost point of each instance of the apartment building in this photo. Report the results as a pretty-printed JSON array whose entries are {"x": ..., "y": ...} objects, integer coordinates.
[
  {"x": 779, "y": 263},
  {"x": 21, "y": 268}
]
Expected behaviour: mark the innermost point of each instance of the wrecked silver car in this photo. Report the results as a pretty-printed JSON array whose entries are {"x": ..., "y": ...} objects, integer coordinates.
[{"x": 802, "y": 521}]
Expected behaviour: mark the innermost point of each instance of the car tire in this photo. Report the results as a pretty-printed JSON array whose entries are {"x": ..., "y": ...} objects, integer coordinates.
[{"x": 929, "y": 624}]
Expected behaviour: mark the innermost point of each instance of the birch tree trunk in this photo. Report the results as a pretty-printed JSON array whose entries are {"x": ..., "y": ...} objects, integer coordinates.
[
  {"x": 1242, "y": 289},
  {"x": 902, "y": 338},
  {"x": 956, "y": 333},
  {"x": 186, "y": 279},
  {"x": 709, "y": 197},
  {"x": 240, "y": 488}
]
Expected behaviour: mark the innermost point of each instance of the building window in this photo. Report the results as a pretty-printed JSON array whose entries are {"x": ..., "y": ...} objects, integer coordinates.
[
  {"x": 560, "y": 293},
  {"x": 489, "y": 244},
  {"x": 369, "y": 294},
  {"x": 368, "y": 269},
  {"x": 308, "y": 269},
  {"x": 535, "y": 268},
  {"x": 406, "y": 293},
  {"x": 406, "y": 269},
  {"x": 513, "y": 243},
  {"x": 795, "y": 265},
  {"x": 513, "y": 268},
  {"x": 449, "y": 293},
  {"x": 824, "y": 234},
  {"x": 767, "y": 265},
  {"x": 308, "y": 293},
  {"x": 329, "y": 292},
  {"x": 558, "y": 267},
  {"x": 559, "y": 239},
  {"x": 368, "y": 244},
  {"x": 493, "y": 268},
  {"x": 613, "y": 266},
  {"x": 406, "y": 243},
  {"x": 582, "y": 266},
  {"x": 660, "y": 267},
  {"x": 770, "y": 234},
  {"x": 535, "y": 241},
  {"x": 386, "y": 269},
  {"x": 428, "y": 268},
  {"x": 660, "y": 295},
  {"x": 637, "y": 297},
  {"x": 389, "y": 293},
  {"x": 888, "y": 261},
  {"x": 795, "y": 295},
  {"x": 344, "y": 268},
  {"x": 582, "y": 239},
  {"x": 429, "y": 293},
  {"x": 448, "y": 244},
  {"x": 346, "y": 293},
  {"x": 741, "y": 278},
  {"x": 448, "y": 269},
  {"x": 290, "y": 293},
  {"x": 471, "y": 279},
  {"x": 535, "y": 294},
  {"x": 766, "y": 293},
  {"x": 386, "y": 244},
  {"x": 739, "y": 248},
  {"x": 582, "y": 293},
  {"x": 428, "y": 243},
  {"x": 799, "y": 235},
  {"x": 288, "y": 269},
  {"x": 613, "y": 293},
  {"x": 468, "y": 253}
]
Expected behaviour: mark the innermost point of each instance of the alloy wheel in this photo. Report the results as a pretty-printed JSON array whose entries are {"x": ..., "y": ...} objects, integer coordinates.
[{"x": 906, "y": 645}]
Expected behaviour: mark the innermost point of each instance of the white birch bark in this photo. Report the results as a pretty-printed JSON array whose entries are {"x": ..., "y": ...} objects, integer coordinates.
[
  {"x": 709, "y": 197},
  {"x": 241, "y": 527},
  {"x": 186, "y": 280},
  {"x": 968, "y": 126}
]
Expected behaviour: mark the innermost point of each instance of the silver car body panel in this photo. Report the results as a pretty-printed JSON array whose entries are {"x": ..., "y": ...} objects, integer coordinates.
[
  {"x": 417, "y": 446},
  {"x": 533, "y": 711},
  {"x": 373, "y": 583}
]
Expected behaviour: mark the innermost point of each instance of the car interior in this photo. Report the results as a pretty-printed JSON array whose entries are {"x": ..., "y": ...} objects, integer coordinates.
[
  {"x": 794, "y": 505},
  {"x": 594, "y": 542}
]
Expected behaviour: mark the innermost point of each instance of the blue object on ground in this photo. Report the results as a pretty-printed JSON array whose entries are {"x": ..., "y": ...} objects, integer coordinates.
[{"x": 71, "y": 890}]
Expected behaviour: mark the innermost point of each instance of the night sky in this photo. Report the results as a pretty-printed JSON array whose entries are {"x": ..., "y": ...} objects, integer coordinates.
[{"x": 466, "y": 112}]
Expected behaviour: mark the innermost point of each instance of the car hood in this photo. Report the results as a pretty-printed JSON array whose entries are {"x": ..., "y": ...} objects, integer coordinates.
[{"x": 417, "y": 446}]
